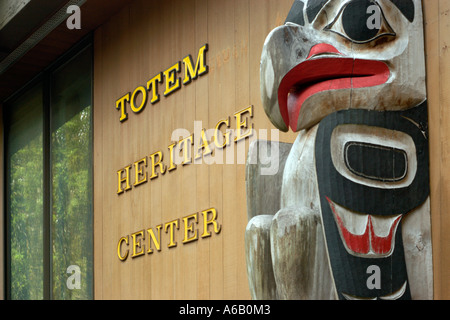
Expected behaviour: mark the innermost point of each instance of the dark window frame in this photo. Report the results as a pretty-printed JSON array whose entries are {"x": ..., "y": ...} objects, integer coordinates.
[{"x": 44, "y": 77}]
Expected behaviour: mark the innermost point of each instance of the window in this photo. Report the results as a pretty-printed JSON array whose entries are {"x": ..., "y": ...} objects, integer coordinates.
[{"x": 49, "y": 184}]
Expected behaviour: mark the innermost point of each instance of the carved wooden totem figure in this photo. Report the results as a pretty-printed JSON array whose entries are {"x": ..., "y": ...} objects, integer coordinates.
[{"x": 348, "y": 215}]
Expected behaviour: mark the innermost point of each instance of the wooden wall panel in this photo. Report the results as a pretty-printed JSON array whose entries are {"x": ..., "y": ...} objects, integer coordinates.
[
  {"x": 142, "y": 40},
  {"x": 437, "y": 28},
  {"x": 146, "y": 38}
]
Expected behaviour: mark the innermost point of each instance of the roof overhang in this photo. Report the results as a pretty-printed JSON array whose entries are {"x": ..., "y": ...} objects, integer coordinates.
[{"x": 33, "y": 34}]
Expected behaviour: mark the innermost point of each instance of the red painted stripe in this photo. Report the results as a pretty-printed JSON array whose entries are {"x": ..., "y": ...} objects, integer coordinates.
[
  {"x": 368, "y": 242},
  {"x": 356, "y": 243},
  {"x": 322, "y": 48},
  {"x": 383, "y": 245}
]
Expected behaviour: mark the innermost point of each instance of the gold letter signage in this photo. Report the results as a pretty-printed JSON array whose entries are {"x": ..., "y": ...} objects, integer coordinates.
[
  {"x": 186, "y": 151},
  {"x": 137, "y": 100},
  {"x": 146, "y": 241}
]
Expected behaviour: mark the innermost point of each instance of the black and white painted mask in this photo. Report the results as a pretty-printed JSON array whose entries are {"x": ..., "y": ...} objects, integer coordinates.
[{"x": 356, "y": 69}]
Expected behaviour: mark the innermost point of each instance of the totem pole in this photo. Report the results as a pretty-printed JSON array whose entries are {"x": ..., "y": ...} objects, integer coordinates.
[{"x": 347, "y": 216}]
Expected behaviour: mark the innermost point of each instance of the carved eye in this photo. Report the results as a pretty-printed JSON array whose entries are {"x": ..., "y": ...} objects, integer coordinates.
[
  {"x": 361, "y": 21},
  {"x": 376, "y": 162}
]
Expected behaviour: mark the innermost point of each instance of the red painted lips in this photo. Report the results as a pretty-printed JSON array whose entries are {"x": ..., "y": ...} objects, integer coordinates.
[{"x": 323, "y": 74}]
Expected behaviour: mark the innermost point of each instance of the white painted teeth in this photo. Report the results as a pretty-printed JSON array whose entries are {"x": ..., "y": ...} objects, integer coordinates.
[
  {"x": 356, "y": 223},
  {"x": 365, "y": 235},
  {"x": 393, "y": 296},
  {"x": 383, "y": 224}
]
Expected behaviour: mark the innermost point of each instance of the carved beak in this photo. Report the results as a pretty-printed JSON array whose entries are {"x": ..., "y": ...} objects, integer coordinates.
[{"x": 288, "y": 80}]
